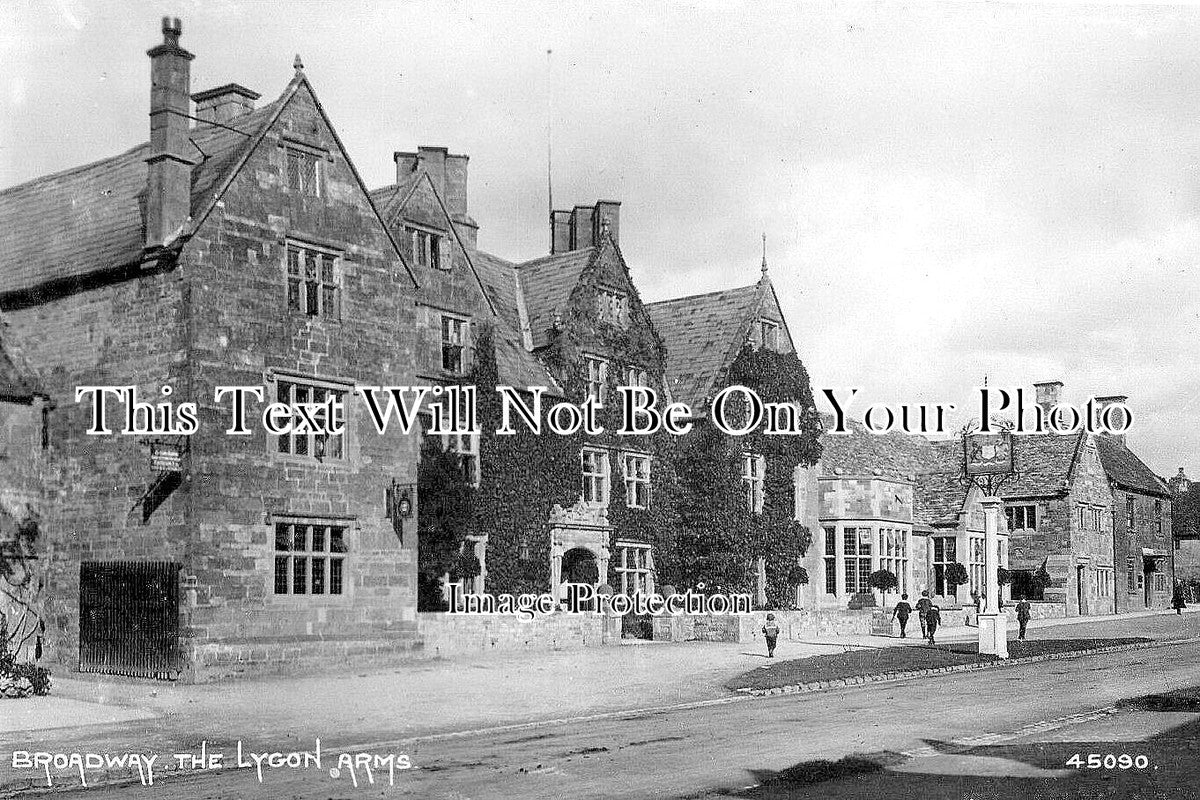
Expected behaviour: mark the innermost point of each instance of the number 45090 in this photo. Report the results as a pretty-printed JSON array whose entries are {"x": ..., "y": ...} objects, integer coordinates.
[{"x": 1108, "y": 761}]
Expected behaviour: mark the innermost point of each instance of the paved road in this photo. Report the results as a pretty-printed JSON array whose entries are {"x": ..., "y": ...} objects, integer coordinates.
[{"x": 735, "y": 744}]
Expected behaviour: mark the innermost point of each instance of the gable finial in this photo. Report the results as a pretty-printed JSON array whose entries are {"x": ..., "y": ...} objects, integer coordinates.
[
  {"x": 764, "y": 262},
  {"x": 298, "y": 65}
]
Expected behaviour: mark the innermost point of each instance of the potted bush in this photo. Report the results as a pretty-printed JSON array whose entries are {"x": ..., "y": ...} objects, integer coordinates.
[{"x": 955, "y": 576}]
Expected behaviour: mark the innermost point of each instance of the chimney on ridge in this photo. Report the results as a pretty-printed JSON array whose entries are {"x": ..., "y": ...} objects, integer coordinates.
[
  {"x": 169, "y": 165},
  {"x": 1048, "y": 394},
  {"x": 585, "y": 226},
  {"x": 1103, "y": 403},
  {"x": 224, "y": 103}
]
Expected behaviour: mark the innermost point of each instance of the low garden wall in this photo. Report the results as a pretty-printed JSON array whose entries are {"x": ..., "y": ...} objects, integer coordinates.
[
  {"x": 797, "y": 624},
  {"x": 446, "y": 634}
]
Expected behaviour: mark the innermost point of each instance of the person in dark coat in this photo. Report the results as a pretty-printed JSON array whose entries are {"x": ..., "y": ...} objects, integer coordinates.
[
  {"x": 933, "y": 618},
  {"x": 922, "y": 609},
  {"x": 902, "y": 611},
  {"x": 771, "y": 633},
  {"x": 1178, "y": 601},
  {"x": 1022, "y": 616}
]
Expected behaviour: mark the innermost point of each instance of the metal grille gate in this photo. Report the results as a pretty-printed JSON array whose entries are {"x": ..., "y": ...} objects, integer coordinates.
[{"x": 129, "y": 618}]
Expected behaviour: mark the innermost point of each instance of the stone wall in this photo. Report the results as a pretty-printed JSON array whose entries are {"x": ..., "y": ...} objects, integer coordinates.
[
  {"x": 449, "y": 635},
  {"x": 799, "y": 624}
]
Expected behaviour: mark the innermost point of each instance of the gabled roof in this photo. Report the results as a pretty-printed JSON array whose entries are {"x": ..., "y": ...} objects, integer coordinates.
[
  {"x": 516, "y": 365},
  {"x": 548, "y": 282},
  {"x": 702, "y": 334},
  {"x": 89, "y": 219},
  {"x": 389, "y": 199},
  {"x": 1126, "y": 469},
  {"x": 1043, "y": 464}
]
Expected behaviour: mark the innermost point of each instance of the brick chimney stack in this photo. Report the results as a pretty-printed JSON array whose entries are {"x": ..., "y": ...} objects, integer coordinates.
[{"x": 169, "y": 172}]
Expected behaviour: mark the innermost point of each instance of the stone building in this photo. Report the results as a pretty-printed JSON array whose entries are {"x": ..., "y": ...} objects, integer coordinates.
[{"x": 238, "y": 247}]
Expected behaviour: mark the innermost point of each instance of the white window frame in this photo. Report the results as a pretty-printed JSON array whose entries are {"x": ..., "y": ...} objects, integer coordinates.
[
  {"x": 429, "y": 247},
  {"x": 595, "y": 476},
  {"x": 754, "y": 468},
  {"x": 463, "y": 445},
  {"x": 893, "y": 555},
  {"x": 637, "y": 483},
  {"x": 634, "y": 568}
]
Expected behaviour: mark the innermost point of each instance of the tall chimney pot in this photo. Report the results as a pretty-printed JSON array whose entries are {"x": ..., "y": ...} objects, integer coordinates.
[{"x": 169, "y": 165}]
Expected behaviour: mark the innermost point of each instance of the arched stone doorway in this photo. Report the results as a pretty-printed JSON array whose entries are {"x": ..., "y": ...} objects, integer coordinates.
[{"x": 579, "y": 566}]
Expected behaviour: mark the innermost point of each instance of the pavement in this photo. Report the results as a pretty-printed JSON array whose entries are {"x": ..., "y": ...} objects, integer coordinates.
[
  {"x": 421, "y": 698},
  {"x": 1008, "y": 733}
]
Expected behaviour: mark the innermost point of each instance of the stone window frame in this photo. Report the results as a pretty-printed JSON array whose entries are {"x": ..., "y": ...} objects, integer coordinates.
[
  {"x": 894, "y": 548},
  {"x": 637, "y": 486},
  {"x": 1158, "y": 517},
  {"x": 1130, "y": 513},
  {"x": 943, "y": 562},
  {"x": 308, "y": 292},
  {"x": 597, "y": 376},
  {"x": 327, "y": 554},
  {"x": 754, "y": 470},
  {"x": 1021, "y": 512},
  {"x": 636, "y": 578},
  {"x": 829, "y": 559},
  {"x": 429, "y": 246},
  {"x": 636, "y": 376},
  {"x": 343, "y": 386},
  {"x": 460, "y": 345},
  {"x": 595, "y": 476},
  {"x": 1090, "y": 517},
  {"x": 612, "y": 306},
  {"x": 769, "y": 331},
  {"x": 463, "y": 445},
  {"x": 303, "y": 174}
]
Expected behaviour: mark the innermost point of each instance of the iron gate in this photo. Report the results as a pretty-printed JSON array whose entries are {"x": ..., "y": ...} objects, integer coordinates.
[{"x": 129, "y": 618}]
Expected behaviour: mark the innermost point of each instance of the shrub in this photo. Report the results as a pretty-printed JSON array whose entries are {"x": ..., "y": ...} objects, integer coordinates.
[
  {"x": 956, "y": 575},
  {"x": 883, "y": 580},
  {"x": 1003, "y": 576},
  {"x": 37, "y": 676}
]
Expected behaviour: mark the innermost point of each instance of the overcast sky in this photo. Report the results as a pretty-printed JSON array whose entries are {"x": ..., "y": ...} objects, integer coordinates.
[{"x": 948, "y": 191}]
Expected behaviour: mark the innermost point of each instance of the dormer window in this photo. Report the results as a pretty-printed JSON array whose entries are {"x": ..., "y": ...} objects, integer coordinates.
[
  {"x": 430, "y": 248},
  {"x": 612, "y": 307},
  {"x": 769, "y": 333}
]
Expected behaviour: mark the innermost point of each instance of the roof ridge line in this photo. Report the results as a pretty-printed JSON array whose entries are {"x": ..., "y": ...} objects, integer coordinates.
[
  {"x": 69, "y": 170},
  {"x": 701, "y": 294}
]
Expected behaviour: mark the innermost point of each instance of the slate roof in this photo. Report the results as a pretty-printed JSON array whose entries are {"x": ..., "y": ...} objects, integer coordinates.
[
  {"x": 1126, "y": 469},
  {"x": 389, "y": 198},
  {"x": 516, "y": 365},
  {"x": 1042, "y": 464},
  {"x": 859, "y": 452},
  {"x": 67, "y": 225},
  {"x": 702, "y": 334},
  {"x": 547, "y": 283},
  {"x": 940, "y": 493}
]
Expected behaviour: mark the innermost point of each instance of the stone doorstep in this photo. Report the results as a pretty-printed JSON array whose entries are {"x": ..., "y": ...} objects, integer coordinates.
[{"x": 885, "y": 677}]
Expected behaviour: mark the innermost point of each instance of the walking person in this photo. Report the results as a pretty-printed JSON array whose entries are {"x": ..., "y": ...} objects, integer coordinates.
[
  {"x": 922, "y": 609},
  {"x": 1022, "y": 616},
  {"x": 901, "y": 612},
  {"x": 771, "y": 632},
  {"x": 1178, "y": 601},
  {"x": 933, "y": 618}
]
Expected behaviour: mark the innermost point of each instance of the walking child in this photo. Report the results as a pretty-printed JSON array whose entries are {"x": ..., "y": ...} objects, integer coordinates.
[
  {"x": 771, "y": 632},
  {"x": 902, "y": 612}
]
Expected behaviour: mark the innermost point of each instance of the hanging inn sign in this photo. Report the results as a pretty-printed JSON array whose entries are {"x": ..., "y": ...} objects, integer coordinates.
[{"x": 988, "y": 459}]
